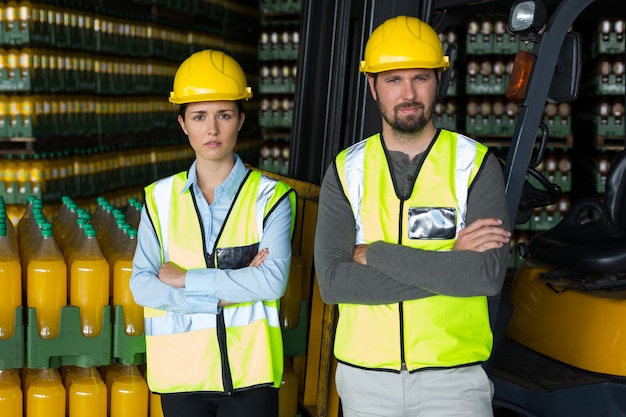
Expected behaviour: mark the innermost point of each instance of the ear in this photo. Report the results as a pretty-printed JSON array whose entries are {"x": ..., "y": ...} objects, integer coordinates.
[
  {"x": 242, "y": 117},
  {"x": 181, "y": 122},
  {"x": 372, "y": 83}
]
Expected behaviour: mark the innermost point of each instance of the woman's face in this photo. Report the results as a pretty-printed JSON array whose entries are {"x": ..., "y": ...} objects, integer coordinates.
[{"x": 212, "y": 128}]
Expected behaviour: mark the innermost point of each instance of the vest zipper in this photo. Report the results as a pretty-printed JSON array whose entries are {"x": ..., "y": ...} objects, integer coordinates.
[
  {"x": 221, "y": 340},
  {"x": 401, "y": 304},
  {"x": 401, "y": 317}
]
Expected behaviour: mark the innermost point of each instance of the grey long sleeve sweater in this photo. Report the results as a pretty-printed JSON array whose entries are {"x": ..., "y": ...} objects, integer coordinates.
[{"x": 396, "y": 273}]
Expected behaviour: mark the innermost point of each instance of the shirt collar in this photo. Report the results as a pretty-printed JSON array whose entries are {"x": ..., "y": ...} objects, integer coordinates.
[{"x": 230, "y": 184}]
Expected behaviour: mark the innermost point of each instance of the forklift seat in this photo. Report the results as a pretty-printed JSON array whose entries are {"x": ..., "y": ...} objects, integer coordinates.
[{"x": 592, "y": 236}]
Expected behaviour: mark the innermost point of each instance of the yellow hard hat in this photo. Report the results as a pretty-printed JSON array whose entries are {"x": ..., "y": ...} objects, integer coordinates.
[
  {"x": 403, "y": 42},
  {"x": 209, "y": 75}
]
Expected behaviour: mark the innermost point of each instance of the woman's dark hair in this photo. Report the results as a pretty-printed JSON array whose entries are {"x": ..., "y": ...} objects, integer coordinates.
[{"x": 183, "y": 108}]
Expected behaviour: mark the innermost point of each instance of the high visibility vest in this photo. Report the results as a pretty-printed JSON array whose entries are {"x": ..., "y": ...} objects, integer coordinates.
[
  {"x": 239, "y": 348},
  {"x": 432, "y": 332}
]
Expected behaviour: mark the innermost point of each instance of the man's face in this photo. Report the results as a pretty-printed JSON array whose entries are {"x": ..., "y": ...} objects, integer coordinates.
[{"x": 406, "y": 98}]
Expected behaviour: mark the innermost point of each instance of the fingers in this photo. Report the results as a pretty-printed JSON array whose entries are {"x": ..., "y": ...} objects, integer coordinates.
[
  {"x": 260, "y": 257},
  {"x": 482, "y": 235}
]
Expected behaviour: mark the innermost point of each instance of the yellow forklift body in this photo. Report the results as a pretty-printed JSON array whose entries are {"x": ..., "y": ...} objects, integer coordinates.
[{"x": 581, "y": 328}]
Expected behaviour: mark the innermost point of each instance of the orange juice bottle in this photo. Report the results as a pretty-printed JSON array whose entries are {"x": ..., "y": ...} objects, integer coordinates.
[
  {"x": 46, "y": 282},
  {"x": 39, "y": 174},
  {"x": 10, "y": 395},
  {"x": 129, "y": 395},
  {"x": 10, "y": 282},
  {"x": 156, "y": 410},
  {"x": 89, "y": 284},
  {"x": 10, "y": 179},
  {"x": 110, "y": 373},
  {"x": 122, "y": 271},
  {"x": 45, "y": 395},
  {"x": 9, "y": 227},
  {"x": 87, "y": 394},
  {"x": 114, "y": 247}
]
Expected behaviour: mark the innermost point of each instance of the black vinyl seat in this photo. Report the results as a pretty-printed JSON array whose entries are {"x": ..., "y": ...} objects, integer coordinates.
[{"x": 592, "y": 236}]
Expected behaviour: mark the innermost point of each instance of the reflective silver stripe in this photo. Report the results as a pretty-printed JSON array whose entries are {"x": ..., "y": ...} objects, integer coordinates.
[
  {"x": 355, "y": 165},
  {"x": 266, "y": 190},
  {"x": 465, "y": 157},
  {"x": 242, "y": 316},
  {"x": 162, "y": 196},
  {"x": 174, "y": 323},
  {"x": 178, "y": 323}
]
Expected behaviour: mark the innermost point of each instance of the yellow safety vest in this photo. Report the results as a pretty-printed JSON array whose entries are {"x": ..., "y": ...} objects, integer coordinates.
[
  {"x": 432, "y": 332},
  {"x": 240, "y": 347}
]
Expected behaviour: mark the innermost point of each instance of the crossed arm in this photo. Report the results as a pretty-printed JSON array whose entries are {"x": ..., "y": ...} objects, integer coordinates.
[{"x": 382, "y": 272}]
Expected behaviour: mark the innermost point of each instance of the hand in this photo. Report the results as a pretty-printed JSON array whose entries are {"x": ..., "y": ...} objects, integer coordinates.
[
  {"x": 260, "y": 257},
  {"x": 359, "y": 254},
  {"x": 172, "y": 275},
  {"x": 482, "y": 235},
  {"x": 257, "y": 261}
]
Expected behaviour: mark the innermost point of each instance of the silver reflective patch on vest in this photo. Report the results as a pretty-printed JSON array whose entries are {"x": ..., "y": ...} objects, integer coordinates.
[{"x": 432, "y": 223}]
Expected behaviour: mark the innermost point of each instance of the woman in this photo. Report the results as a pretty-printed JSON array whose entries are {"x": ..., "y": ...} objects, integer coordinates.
[{"x": 212, "y": 259}]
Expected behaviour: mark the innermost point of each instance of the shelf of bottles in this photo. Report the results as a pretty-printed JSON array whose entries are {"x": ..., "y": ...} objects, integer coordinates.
[
  {"x": 601, "y": 117},
  {"x": 84, "y": 85},
  {"x": 71, "y": 335},
  {"x": 487, "y": 59},
  {"x": 278, "y": 53}
]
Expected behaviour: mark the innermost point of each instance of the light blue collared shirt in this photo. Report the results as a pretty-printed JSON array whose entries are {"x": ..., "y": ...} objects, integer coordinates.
[{"x": 206, "y": 286}]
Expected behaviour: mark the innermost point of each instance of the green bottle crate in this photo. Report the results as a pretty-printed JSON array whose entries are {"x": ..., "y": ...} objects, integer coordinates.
[
  {"x": 490, "y": 85},
  {"x": 70, "y": 347},
  {"x": 12, "y": 350},
  {"x": 479, "y": 44},
  {"x": 127, "y": 350},
  {"x": 479, "y": 125},
  {"x": 607, "y": 44}
]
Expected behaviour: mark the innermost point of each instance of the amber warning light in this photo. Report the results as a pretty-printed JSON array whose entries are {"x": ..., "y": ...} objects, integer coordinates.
[{"x": 520, "y": 74}]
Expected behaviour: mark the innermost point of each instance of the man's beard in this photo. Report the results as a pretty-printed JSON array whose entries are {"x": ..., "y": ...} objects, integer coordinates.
[{"x": 408, "y": 124}]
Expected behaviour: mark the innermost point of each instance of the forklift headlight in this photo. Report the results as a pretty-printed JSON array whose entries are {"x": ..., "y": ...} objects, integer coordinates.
[{"x": 527, "y": 17}]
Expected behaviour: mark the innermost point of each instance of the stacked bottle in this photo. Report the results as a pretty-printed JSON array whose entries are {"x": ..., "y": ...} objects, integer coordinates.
[
  {"x": 11, "y": 397},
  {"x": 86, "y": 392},
  {"x": 10, "y": 276},
  {"x": 129, "y": 394},
  {"x": 46, "y": 283},
  {"x": 122, "y": 296}
]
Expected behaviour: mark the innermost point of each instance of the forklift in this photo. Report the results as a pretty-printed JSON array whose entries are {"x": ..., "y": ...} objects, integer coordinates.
[
  {"x": 559, "y": 338},
  {"x": 560, "y": 347}
]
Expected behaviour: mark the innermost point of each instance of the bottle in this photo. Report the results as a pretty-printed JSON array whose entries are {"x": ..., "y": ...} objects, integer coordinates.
[
  {"x": 45, "y": 394},
  {"x": 110, "y": 373},
  {"x": 26, "y": 219},
  {"x": 46, "y": 281},
  {"x": 114, "y": 247},
  {"x": 89, "y": 284},
  {"x": 22, "y": 176},
  {"x": 129, "y": 395},
  {"x": 10, "y": 282},
  {"x": 63, "y": 224},
  {"x": 11, "y": 397},
  {"x": 10, "y": 179},
  {"x": 39, "y": 174},
  {"x": 87, "y": 394},
  {"x": 133, "y": 212},
  {"x": 122, "y": 271},
  {"x": 156, "y": 410}
]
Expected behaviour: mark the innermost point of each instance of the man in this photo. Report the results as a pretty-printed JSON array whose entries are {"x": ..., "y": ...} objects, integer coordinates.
[
  {"x": 412, "y": 236},
  {"x": 212, "y": 260}
]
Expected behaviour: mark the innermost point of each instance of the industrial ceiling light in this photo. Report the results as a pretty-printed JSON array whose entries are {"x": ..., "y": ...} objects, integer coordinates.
[{"x": 527, "y": 18}]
